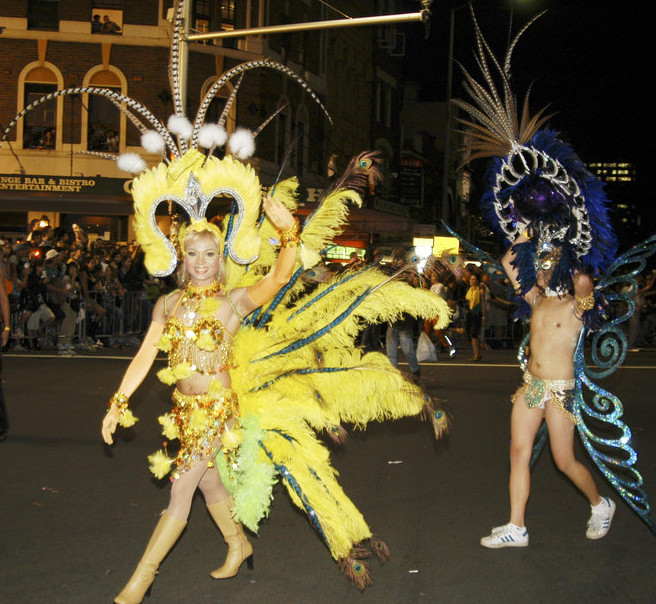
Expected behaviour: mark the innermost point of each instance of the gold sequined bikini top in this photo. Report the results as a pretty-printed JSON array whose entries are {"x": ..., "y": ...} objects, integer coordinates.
[
  {"x": 203, "y": 347},
  {"x": 206, "y": 345}
]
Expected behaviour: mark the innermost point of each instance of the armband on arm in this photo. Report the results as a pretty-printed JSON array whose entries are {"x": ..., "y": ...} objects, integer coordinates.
[
  {"x": 290, "y": 238},
  {"x": 585, "y": 302},
  {"x": 125, "y": 417}
]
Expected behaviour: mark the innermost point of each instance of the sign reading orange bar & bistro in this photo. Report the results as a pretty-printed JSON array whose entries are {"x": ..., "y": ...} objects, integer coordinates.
[{"x": 62, "y": 184}]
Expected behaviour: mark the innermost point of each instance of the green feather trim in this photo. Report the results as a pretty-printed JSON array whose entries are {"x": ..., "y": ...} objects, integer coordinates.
[{"x": 251, "y": 482}]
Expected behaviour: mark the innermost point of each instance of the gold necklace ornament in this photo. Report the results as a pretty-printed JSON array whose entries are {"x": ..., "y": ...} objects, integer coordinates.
[{"x": 193, "y": 297}]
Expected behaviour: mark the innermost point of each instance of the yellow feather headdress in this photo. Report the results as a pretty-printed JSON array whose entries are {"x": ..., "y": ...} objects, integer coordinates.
[{"x": 192, "y": 182}]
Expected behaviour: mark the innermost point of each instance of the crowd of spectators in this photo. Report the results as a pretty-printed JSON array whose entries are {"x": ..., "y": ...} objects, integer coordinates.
[{"x": 67, "y": 290}]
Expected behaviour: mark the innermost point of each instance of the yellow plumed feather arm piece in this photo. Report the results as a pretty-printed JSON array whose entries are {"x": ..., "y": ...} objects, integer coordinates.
[
  {"x": 239, "y": 275},
  {"x": 326, "y": 223},
  {"x": 127, "y": 419},
  {"x": 308, "y": 461}
]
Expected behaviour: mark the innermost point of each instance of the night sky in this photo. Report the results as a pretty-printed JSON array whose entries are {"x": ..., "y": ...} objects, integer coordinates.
[{"x": 585, "y": 57}]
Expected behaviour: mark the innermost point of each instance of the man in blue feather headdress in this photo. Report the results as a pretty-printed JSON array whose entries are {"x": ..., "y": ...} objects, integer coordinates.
[
  {"x": 542, "y": 200},
  {"x": 554, "y": 214}
]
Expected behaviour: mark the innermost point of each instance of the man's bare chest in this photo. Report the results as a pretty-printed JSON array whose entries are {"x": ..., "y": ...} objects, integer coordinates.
[{"x": 555, "y": 314}]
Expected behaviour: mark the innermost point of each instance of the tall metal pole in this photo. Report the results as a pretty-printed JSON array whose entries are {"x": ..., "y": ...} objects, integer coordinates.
[
  {"x": 183, "y": 51},
  {"x": 444, "y": 214}
]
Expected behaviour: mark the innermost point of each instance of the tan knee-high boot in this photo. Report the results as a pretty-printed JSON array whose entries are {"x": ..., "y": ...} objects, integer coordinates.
[
  {"x": 239, "y": 548},
  {"x": 165, "y": 535}
]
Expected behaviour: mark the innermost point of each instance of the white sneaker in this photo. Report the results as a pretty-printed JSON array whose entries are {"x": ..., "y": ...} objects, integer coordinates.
[
  {"x": 509, "y": 535},
  {"x": 600, "y": 519}
]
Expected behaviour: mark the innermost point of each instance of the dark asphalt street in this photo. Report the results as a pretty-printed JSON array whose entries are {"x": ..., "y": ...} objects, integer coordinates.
[{"x": 76, "y": 515}]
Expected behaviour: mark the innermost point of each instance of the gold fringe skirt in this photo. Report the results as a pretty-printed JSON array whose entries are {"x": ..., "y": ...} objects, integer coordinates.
[{"x": 199, "y": 422}]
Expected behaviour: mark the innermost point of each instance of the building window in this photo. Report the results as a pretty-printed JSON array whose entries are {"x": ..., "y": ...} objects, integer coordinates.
[
  {"x": 43, "y": 14},
  {"x": 104, "y": 124},
  {"x": 40, "y": 124},
  {"x": 228, "y": 19},
  {"x": 202, "y": 16},
  {"x": 228, "y": 22},
  {"x": 107, "y": 21}
]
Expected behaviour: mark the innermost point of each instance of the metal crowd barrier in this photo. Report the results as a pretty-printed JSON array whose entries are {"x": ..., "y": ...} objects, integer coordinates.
[
  {"x": 127, "y": 318},
  {"x": 124, "y": 322}
]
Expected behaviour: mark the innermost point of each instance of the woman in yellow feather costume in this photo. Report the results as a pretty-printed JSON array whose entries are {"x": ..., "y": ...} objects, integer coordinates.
[
  {"x": 195, "y": 326},
  {"x": 252, "y": 394}
]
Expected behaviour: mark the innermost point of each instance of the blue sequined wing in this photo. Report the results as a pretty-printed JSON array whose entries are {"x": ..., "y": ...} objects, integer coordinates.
[
  {"x": 605, "y": 436},
  {"x": 617, "y": 287}
]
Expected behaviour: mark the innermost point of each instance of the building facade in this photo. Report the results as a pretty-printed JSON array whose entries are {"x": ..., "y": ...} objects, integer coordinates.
[{"x": 51, "y": 161}]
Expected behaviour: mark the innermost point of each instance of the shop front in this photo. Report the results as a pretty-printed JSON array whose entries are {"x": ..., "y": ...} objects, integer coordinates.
[{"x": 99, "y": 205}]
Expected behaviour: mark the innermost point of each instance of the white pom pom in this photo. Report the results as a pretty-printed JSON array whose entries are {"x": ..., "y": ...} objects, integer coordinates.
[
  {"x": 180, "y": 125},
  {"x": 212, "y": 135},
  {"x": 152, "y": 141},
  {"x": 242, "y": 143},
  {"x": 131, "y": 162}
]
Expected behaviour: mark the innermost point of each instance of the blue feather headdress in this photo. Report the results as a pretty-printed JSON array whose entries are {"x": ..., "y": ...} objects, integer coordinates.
[{"x": 535, "y": 181}]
